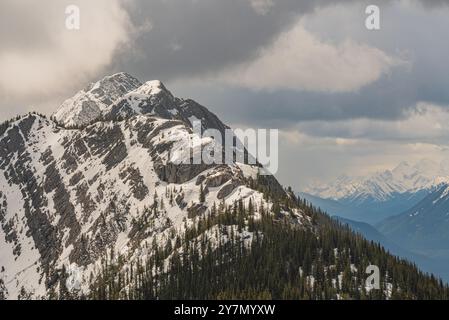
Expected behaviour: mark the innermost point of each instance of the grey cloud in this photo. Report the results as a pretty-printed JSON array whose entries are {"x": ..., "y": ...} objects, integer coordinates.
[
  {"x": 203, "y": 36},
  {"x": 416, "y": 34},
  {"x": 41, "y": 60},
  {"x": 389, "y": 99},
  {"x": 197, "y": 37},
  {"x": 31, "y": 32},
  {"x": 386, "y": 99},
  {"x": 434, "y": 3}
]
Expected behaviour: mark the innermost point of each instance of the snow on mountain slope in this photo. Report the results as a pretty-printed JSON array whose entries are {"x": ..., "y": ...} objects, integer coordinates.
[
  {"x": 69, "y": 195},
  {"x": 382, "y": 186},
  {"x": 121, "y": 96},
  {"x": 153, "y": 98},
  {"x": 88, "y": 104}
]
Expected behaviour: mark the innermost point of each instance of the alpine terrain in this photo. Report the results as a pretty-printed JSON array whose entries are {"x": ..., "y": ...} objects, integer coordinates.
[{"x": 92, "y": 206}]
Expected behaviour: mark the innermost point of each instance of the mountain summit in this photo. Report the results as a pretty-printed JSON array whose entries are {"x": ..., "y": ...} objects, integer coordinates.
[
  {"x": 381, "y": 195},
  {"x": 88, "y": 104},
  {"x": 121, "y": 96}
]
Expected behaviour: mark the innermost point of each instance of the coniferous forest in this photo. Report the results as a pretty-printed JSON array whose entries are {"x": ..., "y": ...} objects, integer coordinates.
[{"x": 267, "y": 258}]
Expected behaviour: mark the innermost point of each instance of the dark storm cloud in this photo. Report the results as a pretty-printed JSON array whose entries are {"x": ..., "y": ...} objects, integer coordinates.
[
  {"x": 202, "y": 36},
  {"x": 198, "y": 36},
  {"x": 387, "y": 99},
  {"x": 418, "y": 35},
  {"x": 190, "y": 39}
]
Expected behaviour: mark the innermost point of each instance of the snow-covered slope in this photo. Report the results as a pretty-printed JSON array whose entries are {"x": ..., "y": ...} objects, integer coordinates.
[
  {"x": 121, "y": 96},
  {"x": 88, "y": 104},
  {"x": 68, "y": 195}
]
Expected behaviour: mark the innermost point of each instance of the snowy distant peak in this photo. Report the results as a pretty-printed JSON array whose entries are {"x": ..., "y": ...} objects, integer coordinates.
[
  {"x": 381, "y": 186},
  {"x": 88, "y": 104},
  {"x": 402, "y": 168},
  {"x": 425, "y": 167}
]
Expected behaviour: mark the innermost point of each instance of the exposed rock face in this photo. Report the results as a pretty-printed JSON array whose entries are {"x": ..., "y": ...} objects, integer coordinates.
[
  {"x": 227, "y": 189},
  {"x": 69, "y": 195}
]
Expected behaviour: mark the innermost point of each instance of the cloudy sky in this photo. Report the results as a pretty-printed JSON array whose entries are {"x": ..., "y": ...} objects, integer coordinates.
[{"x": 345, "y": 99}]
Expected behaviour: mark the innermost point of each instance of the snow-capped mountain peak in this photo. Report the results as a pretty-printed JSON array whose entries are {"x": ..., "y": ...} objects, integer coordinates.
[
  {"x": 121, "y": 96},
  {"x": 145, "y": 99},
  {"x": 70, "y": 195},
  {"x": 110, "y": 88},
  {"x": 88, "y": 104},
  {"x": 153, "y": 87}
]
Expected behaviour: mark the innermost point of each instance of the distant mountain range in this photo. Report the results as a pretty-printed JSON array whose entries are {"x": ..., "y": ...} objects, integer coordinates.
[
  {"x": 406, "y": 210},
  {"x": 379, "y": 196},
  {"x": 381, "y": 186},
  {"x": 369, "y": 211},
  {"x": 432, "y": 263},
  {"x": 425, "y": 226}
]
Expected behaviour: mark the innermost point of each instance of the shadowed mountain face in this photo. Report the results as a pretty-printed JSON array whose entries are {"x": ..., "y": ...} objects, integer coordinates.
[
  {"x": 423, "y": 227},
  {"x": 426, "y": 261},
  {"x": 412, "y": 223},
  {"x": 368, "y": 210}
]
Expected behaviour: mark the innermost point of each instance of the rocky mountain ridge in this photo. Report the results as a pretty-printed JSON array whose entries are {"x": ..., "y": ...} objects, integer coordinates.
[{"x": 80, "y": 184}]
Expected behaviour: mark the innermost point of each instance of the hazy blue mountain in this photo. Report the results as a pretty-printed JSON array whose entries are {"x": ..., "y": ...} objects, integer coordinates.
[
  {"x": 423, "y": 227},
  {"x": 372, "y": 234},
  {"x": 375, "y": 197},
  {"x": 436, "y": 264},
  {"x": 369, "y": 209}
]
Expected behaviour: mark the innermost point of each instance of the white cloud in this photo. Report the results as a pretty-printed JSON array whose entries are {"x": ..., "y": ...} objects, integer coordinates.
[
  {"x": 327, "y": 149},
  {"x": 424, "y": 123},
  {"x": 56, "y": 56},
  {"x": 299, "y": 60}
]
